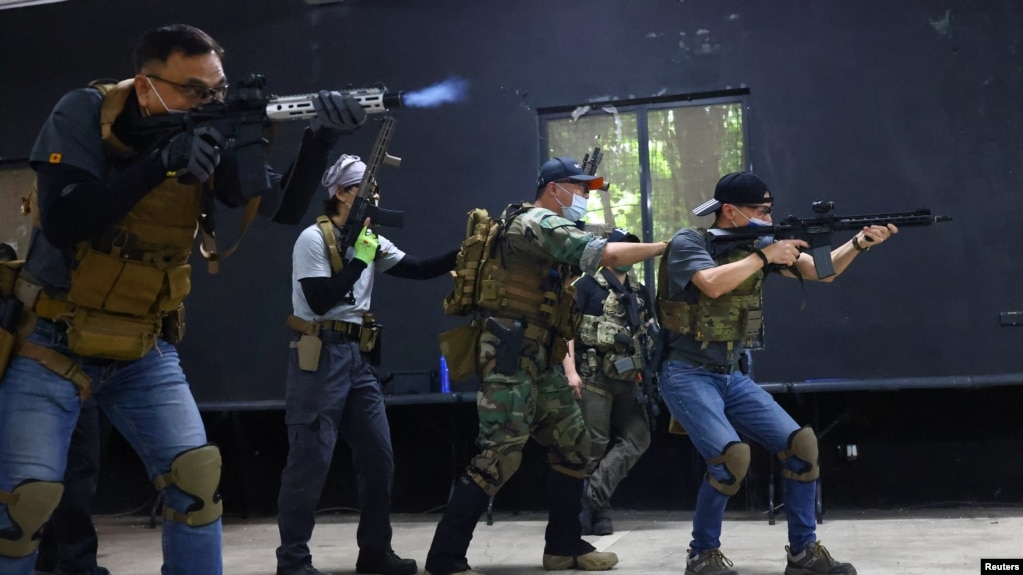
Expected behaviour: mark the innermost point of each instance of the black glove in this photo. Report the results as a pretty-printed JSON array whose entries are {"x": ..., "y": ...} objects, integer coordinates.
[
  {"x": 195, "y": 154},
  {"x": 336, "y": 111}
]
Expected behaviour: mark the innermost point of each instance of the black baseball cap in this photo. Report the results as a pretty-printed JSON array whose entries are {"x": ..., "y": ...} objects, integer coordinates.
[
  {"x": 736, "y": 188},
  {"x": 566, "y": 168},
  {"x": 622, "y": 235}
]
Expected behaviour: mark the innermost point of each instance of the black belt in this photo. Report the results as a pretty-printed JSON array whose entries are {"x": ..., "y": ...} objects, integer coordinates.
[
  {"x": 352, "y": 330},
  {"x": 711, "y": 367}
]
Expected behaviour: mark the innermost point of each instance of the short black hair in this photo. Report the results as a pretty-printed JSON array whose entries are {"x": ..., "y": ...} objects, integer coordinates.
[
  {"x": 158, "y": 44},
  {"x": 7, "y": 253},
  {"x": 332, "y": 205}
]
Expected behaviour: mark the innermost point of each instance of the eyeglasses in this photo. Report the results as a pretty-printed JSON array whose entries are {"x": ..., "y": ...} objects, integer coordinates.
[
  {"x": 761, "y": 210},
  {"x": 195, "y": 91},
  {"x": 585, "y": 189}
]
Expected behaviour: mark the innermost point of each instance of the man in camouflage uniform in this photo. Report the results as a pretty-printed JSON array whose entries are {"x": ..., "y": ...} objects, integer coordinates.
[
  {"x": 709, "y": 305},
  {"x": 529, "y": 311},
  {"x": 603, "y": 368}
]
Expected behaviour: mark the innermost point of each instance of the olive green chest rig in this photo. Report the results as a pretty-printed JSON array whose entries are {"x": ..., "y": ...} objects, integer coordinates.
[
  {"x": 608, "y": 341},
  {"x": 491, "y": 280},
  {"x": 733, "y": 317}
]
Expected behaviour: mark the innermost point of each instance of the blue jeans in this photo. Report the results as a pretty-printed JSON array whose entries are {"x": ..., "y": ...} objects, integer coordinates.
[
  {"x": 150, "y": 404},
  {"x": 715, "y": 409}
]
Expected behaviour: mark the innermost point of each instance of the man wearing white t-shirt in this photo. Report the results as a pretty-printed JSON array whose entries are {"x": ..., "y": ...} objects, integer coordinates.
[{"x": 332, "y": 388}]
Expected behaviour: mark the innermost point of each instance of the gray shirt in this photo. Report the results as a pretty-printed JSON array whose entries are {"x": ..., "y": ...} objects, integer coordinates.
[
  {"x": 311, "y": 259},
  {"x": 689, "y": 252}
]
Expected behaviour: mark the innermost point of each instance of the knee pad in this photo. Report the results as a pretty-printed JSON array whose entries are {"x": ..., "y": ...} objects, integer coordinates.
[
  {"x": 195, "y": 472},
  {"x": 29, "y": 506},
  {"x": 802, "y": 446},
  {"x": 735, "y": 457},
  {"x": 492, "y": 469}
]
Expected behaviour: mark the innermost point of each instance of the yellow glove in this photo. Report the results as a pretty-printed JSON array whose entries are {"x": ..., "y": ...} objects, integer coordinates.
[{"x": 366, "y": 246}]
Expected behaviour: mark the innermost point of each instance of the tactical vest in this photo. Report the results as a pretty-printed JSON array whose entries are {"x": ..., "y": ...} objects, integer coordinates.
[
  {"x": 598, "y": 332},
  {"x": 735, "y": 316},
  {"x": 126, "y": 281},
  {"x": 493, "y": 281}
]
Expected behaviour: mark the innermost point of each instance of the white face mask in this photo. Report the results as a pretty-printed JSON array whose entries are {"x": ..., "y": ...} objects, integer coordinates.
[
  {"x": 577, "y": 210},
  {"x": 757, "y": 222},
  {"x": 162, "y": 103}
]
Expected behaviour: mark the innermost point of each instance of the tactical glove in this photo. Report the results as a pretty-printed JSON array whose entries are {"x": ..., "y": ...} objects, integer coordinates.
[
  {"x": 366, "y": 246},
  {"x": 336, "y": 111},
  {"x": 194, "y": 153}
]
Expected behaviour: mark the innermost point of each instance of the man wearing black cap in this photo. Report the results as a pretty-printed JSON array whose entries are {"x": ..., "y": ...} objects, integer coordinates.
[
  {"x": 528, "y": 309},
  {"x": 709, "y": 303},
  {"x": 603, "y": 366}
]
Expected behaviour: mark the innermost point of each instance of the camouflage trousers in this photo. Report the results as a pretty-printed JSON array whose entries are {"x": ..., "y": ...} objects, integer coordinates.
[
  {"x": 535, "y": 401},
  {"x": 619, "y": 432}
]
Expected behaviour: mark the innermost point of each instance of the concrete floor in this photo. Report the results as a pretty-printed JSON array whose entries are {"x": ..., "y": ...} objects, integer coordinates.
[{"x": 937, "y": 541}]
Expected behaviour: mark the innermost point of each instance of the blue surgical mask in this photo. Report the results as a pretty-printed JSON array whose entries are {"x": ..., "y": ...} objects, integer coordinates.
[
  {"x": 756, "y": 222},
  {"x": 574, "y": 212}
]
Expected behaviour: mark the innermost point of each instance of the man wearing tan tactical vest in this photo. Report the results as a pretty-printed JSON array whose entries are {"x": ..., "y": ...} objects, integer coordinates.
[
  {"x": 103, "y": 283},
  {"x": 603, "y": 367},
  {"x": 332, "y": 387},
  {"x": 527, "y": 316},
  {"x": 709, "y": 306}
]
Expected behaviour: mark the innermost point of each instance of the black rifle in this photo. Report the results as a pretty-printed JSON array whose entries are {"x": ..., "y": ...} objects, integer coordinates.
[
  {"x": 590, "y": 164},
  {"x": 245, "y": 118},
  {"x": 650, "y": 396},
  {"x": 362, "y": 205},
  {"x": 816, "y": 231}
]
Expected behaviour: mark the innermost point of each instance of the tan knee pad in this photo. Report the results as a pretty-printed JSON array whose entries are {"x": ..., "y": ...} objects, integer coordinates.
[
  {"x": 196, "y": 472},
  {"x": 492, "y": 469},
  {"x": 29, "y": 506},
  {"x": 802, "y": 446},
  {"x": 735, "y": 457}
]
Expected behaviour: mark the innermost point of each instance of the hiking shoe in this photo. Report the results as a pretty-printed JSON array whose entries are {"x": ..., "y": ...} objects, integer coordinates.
[
  {"x": 386, "y": 563},
  {"x": 303, "y": 569},
  {"x": 815, "y": 560},
  {"x": 602, "y": 524},
  {"x": 592, "y": 561},
  {"x": 710, "y": 562}
]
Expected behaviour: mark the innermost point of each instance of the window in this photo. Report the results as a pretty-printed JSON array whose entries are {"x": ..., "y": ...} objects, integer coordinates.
[{"x": 661, "y": 156}]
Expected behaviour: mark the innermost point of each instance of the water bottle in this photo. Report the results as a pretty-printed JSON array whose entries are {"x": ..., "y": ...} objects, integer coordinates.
[{"x": 445, "y": 381}]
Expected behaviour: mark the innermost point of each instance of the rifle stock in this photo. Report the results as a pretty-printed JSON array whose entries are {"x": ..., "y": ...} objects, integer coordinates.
[{"x": 816, "y": 231}]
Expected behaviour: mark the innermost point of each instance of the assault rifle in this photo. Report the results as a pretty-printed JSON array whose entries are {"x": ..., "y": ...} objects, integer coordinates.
[
  {"x": 244, "y": 119},
  {"x": 650, "y": 397},
  {"x": 363, "y": 206},
  {"x": 590, "y": 164},
  {"x": 816, "y": 231}
]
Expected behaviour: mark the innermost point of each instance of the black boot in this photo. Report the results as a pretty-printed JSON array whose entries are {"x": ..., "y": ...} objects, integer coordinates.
[
  {"x": 384, "y": 563},
  {"x": 454, "y": 532}
]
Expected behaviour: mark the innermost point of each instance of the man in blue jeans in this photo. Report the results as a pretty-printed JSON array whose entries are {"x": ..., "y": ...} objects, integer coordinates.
[
  {"x": 709, "y": 306},
  {"x": 97, "y": 307}
]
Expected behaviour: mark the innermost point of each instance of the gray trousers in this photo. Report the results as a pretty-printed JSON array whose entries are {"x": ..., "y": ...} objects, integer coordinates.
[
  {"x": 342, "y": 397},
  {"x": 619, "y": 432}
]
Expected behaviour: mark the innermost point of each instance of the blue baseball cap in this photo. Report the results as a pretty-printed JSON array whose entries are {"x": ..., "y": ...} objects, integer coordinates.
[{"x": 566, "y": 168}]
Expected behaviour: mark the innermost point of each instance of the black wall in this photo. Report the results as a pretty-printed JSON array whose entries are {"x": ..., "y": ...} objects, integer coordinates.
[{"x": 877, "y": 105}]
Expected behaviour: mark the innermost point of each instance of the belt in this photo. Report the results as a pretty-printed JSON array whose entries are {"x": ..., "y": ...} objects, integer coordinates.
[
  {"x": 352, "y": 330},
  {"x": 711, "y": 367}
]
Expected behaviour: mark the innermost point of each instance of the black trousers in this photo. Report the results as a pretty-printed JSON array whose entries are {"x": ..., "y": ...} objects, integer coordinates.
[{"x": 342, "y": 397}]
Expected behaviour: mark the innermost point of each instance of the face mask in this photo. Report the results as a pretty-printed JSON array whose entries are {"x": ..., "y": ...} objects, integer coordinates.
[
  {"x": 756, "y": 222},
  {"x": 623, "y": 269},
  {"x": 162, "y": 103},
  {"x": 574, "y": 212}
]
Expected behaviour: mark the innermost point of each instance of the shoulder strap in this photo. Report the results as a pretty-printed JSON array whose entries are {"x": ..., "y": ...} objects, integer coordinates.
[{"x": 327, "y": 229}]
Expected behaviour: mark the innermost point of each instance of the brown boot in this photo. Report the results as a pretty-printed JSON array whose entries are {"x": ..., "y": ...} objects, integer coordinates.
[{"x": 592, "y": 561}]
